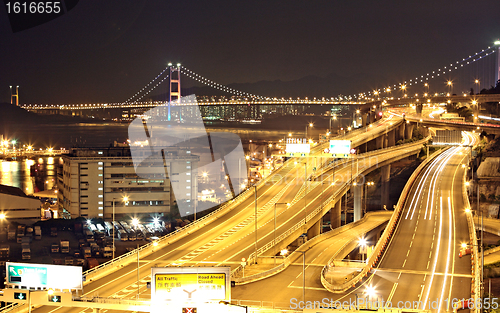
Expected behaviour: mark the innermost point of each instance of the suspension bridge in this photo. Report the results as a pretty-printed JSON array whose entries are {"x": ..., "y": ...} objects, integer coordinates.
[{"x": 463, "y": 81}]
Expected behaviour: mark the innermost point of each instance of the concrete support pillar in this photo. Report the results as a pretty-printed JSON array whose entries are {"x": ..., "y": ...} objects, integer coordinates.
[
  {"x": 364, "y": 117},
  {"x": 385, "y": 175},
  {"x": 372, "y": 117},
  {"x": 391, "y": 137},
  {"x": 379, "y": 141},
  {"x": 409, "y": 130},
  {"x": 401, "y": 132},
  {"x": 336, "y": 215},
  {"x": 418, "y": 108},
  {"x": 315, "y": 230},
  {"x": 358, "y": 195}
]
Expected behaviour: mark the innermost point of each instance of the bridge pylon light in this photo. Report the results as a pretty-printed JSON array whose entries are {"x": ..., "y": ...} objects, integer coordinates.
[
  {"x": 174, "y": 87},
  {"x": 497, "y": 68}
]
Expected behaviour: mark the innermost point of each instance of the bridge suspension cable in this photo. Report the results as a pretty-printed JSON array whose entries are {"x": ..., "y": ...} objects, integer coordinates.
[
  {"x": 441, "y": 71},
  {"x": 131, "y": 99},
  {"x": 215, "y": 85}
]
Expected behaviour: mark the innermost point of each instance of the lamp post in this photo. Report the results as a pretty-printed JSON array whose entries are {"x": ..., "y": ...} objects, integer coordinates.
[
  {"x": 450, "y": 85},
  {"x": 305, "y": 194},
  {"x": 274, "y": 242},
  {"x": 362, "y": 243},
  {"x": 124, "y": 199},
  {"x": 307, "y": 126},
  {"x": 478, "y": 82},
  {"x": 403, "y": 90},
  {"x": 255, "y": 222},
  {"x": 138, "y": 271},
  {"x": 370, "y": 183}
]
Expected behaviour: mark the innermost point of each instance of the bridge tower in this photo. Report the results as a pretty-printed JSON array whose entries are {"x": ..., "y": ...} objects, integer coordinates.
[
  {"x": 16, "y": 95},
  {"x": 174, "y": 93},
  {"x": 497, "y": 68}
]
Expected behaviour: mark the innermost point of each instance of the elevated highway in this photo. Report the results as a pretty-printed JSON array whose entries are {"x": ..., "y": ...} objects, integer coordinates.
[{"x": 227, "y": 235}]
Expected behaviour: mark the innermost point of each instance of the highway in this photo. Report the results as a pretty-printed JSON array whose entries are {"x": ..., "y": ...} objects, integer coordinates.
[
  {"x": 422, "y": 263},
  {"x": 282, "y": 287},
  {"x": 229, "y": 238}
]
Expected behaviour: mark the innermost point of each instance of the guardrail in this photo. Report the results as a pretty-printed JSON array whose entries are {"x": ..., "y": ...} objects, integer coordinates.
[
  {"x": 476, "y": 269},
  {"x": 384, "y": 239},
  {"x": 149, "y": 248},
  {"x": 306, "y": 246},
  {"x": 13, "y": 307}
]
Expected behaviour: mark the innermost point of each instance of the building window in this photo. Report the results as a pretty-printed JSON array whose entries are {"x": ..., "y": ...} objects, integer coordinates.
[
  {"x": 100, "y": 208},
  {"x": 188, "y": 180},
  {"x": 100, "y": 214},
  {"x": 188, "y": 194},
  {"x": 100, "y": 202},
  {"x": 99, "y": 196},
  {"x": 188, "y": 187},
  {"x": 99, "y": 175},
  {"x": 100, "y": 163},
  {"x": 100, "y": 168},
  {"x": 100, "y": 152},
  {"x": 188, "y": 174},
  {"x": 100, "y": 188},
  {"x": 189, "y": 166}
]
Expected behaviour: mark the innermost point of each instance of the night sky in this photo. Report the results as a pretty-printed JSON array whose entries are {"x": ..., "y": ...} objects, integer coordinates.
[{"x": 105, "y": 51}]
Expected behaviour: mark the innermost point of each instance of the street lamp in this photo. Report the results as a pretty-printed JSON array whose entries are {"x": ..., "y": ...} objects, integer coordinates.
[
  {"x": 370, "y": 183},
  {"x": 255, "y": 222},
  {"x": 403, "y": 89},
  {"x": 450, "y": 85},
  {"x": 478, "y": 82},
  {"x": 362, "y": 243},
  {"x": 274, "y": 242},
  {"x": 307, "y": 126},
  {"x": 370, "y": 292},
  {"x": 124, "y": 199}
]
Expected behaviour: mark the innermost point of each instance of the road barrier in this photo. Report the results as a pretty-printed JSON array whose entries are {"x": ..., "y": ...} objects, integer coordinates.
[
  {"x": 304, "y": 247},
  {"x": 383, "y": 242},
  {"x": 476, "y": 269}
]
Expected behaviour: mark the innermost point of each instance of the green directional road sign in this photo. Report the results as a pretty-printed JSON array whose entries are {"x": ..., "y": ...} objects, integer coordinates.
[
  {"x": 53, "y": 298},
  {"x": 20, "y": 296},
  {"x": 27, "y": 274}
]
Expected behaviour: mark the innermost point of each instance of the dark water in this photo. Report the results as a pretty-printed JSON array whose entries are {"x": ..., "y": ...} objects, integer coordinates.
[
  {"x": 91, "y": 135},
  {"x": 17, "y": 173}
]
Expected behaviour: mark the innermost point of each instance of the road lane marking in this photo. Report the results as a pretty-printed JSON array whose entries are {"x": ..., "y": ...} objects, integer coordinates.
[
  {"x": 448, "y": 257},
  {"x": 454, "y": 225},
  {"x": 391, "y": 294}
]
